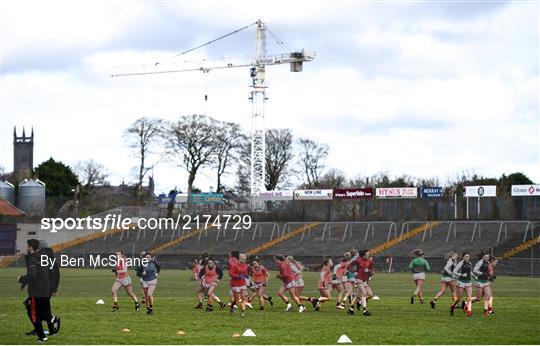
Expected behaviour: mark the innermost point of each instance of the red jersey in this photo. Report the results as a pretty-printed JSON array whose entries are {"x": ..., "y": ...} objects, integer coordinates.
[
  {"x": 196, "y": 269},
  {"x": 238, "y": 273},
  {"x": 325, "y": 277},
  {"x": 364, "y": 268},
  {"x": 232, "y": 261},
  {"x": 121, "y": 268},
  {"x": 340, "y": 269},
  {"x": 210, "y": 275},
  {"x": 491, "y": 270},
  {"x": 260, "y": 275},
  {"x": 285, "y": 273}
]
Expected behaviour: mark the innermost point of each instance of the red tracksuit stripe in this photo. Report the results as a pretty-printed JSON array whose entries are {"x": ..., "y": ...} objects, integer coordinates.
[{"x": 33, "y": 310}]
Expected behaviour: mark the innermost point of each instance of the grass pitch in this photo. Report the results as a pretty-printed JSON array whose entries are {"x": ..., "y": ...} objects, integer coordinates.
[{"x": 394, "y": 319}]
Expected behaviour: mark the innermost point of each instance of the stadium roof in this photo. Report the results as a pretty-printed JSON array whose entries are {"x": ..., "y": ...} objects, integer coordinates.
[{"x": 8, "y": 209}]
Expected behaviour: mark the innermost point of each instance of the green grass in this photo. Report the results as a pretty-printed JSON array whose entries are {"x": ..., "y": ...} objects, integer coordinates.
[{"x": 394, "y": 320}]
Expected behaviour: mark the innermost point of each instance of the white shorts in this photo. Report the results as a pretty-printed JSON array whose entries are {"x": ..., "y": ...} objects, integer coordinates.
[
  {"x": 359, "y": 282},
  {"x": 419, "y": 276},
  {"x": 299, "y": 282},
  {"x": 238, "y": 289},
  {"x": 145, "y": 284},
  {"x": 125, "y": 281},
  {"x": 335, "y": 282},
  {"x": 464, "y": 284},
  {"x": 290, "y": 285},
  {"x": 344, "y": 279},
  {"x": 482, "y": 284},
  {"x": 249, "y": 283},
  {"x": 447, "y": 279},
  {"x": 257, "y": 286},
  {"x": 208, "y": 285}
]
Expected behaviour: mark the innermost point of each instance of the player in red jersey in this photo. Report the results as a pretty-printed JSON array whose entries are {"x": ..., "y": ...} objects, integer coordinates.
[
  {"x": 122, "y": 280},
  {"x": 196, "y": 268},
  {"x": 288, "y": 279},
  {"x": 351, "y": 279},
  {"x": 324, "y": 284},
  {"x": 238, "y": 272},
  {"x": 259, "y": 279},
  {"x": 491, "y": 274},
  {"x": 339, "y": 279},
  {"x": 297, "y": 269},
  {"x": 363, "y": 266},
  {"x": 210, "y": 275}
]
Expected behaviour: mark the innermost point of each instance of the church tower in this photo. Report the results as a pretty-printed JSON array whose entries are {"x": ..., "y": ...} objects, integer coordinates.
[{"x": 23, "y": 155}]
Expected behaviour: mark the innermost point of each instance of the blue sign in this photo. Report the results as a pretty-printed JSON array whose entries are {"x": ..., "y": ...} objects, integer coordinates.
[
  {"x": 166, "y": 199},
  {"x": 206, "y": 198},
  {"x": 431, "y": 192}
]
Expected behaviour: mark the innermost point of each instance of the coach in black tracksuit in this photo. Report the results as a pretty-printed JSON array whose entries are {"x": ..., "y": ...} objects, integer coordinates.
[{"x": 40, "y": 283}]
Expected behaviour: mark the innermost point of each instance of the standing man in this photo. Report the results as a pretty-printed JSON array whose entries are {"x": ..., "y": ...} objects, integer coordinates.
[{"x": 39, "y": 292}]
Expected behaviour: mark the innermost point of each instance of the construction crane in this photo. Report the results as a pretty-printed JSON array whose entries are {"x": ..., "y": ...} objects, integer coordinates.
[{"x": 257, "y": 87}]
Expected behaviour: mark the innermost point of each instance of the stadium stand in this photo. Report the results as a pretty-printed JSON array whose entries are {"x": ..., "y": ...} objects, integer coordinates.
[{"x": 515, "y": 242}]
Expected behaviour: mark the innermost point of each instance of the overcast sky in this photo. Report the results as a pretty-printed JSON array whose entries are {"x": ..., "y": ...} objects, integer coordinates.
[{"x": 428, "y": 89}]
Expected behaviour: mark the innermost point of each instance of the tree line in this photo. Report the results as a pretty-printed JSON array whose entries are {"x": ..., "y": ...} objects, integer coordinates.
[{"x": 195, "y": 142}]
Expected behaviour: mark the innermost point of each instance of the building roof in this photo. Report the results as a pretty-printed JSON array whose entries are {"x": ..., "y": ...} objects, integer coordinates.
[{"x": 8, "y": 209}]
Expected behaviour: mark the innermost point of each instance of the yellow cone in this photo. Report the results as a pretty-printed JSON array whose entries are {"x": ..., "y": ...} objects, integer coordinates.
[
  {"x": 181, "y": 333},
  {"x": 236, "y": 335},
  {"x": 125, "y": 330}
]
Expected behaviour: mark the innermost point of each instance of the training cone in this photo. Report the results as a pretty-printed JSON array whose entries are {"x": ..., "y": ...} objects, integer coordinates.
[
  {"x": 125, "y": 330},
  {"x": 181, "y": 333},
  {"x": 100, "y": 301},
  {"x": 344, "y": 339},
  {"x": 375, "y": 297},
  {"x": 248, "y": 332},
  {"x": 236, "y": 335}
]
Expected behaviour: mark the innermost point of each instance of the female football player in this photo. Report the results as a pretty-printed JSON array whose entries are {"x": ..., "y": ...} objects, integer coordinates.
[
  {"x": 447, "y": 280},
  {"x": 122, "y": 280},
  {"x": 463, "y": 272},
  {"x": 419, "y": 266}
]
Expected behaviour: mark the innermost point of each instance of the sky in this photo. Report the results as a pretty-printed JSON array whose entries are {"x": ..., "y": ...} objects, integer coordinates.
[{"x": 427, "y": 89}]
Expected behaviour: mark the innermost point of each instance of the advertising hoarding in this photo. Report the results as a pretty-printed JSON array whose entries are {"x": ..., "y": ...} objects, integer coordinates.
[
  {"x": 353, "y": 193},
  {"x": 481, "y": 191},
  {"x": 526, "y": 190},
  {"x": 431, "y": 192},
  {"x": 396, "y": 192},
  {"x": 286, "y": 195},
  {"x": 313, "y": 194}
]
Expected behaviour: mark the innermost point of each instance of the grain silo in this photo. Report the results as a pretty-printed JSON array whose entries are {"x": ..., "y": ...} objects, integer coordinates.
[
  {"x": 7, "y": 191},
  {"x": 32, "y": 197}
]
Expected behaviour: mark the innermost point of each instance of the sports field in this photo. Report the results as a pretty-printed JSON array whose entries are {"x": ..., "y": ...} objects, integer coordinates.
[{"x": 394, "y": 320}]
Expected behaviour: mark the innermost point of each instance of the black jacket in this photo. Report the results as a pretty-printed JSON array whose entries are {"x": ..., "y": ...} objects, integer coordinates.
[
  {"x": 37, "y": 277},
  {"x": 54, "y": 273}
]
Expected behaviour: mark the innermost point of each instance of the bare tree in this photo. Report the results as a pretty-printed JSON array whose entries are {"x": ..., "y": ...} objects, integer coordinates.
[
  {"x": 311, "y": 159},
  {"x": 228, "y": 137},
  {"x": 333, "y": 179},
  {"x": 243, "y": 165},
  {"x": 91, "y": 173},
  {"x": 193, "y": 140},
  {"x": 279, "y": 153},
  {"x": 142, "y": 135}
]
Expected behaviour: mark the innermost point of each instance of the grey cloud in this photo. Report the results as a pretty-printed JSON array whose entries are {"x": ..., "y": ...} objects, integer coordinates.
[{"x": 356, "y": 125}]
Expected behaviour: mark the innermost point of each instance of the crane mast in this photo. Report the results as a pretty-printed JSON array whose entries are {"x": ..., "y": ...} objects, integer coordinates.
[
  {"x": 257, "y": 93},
  {"x": 258, "y": 98}
]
